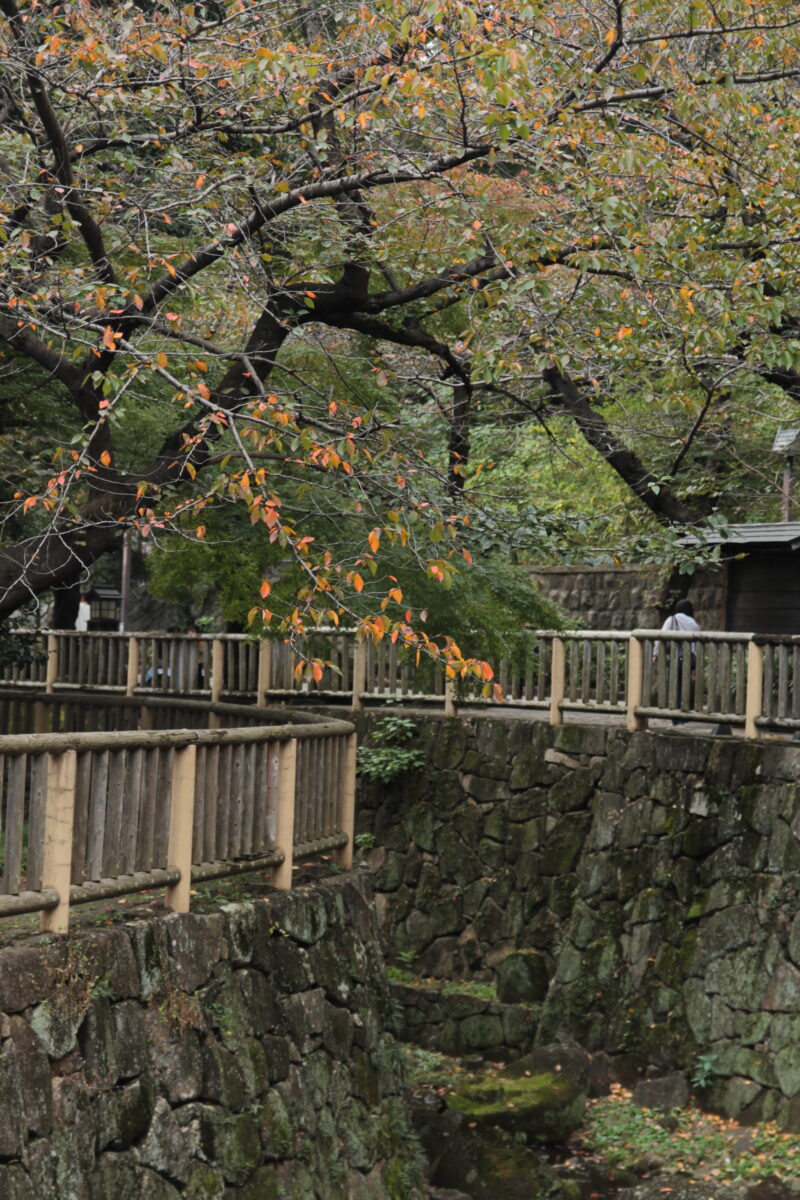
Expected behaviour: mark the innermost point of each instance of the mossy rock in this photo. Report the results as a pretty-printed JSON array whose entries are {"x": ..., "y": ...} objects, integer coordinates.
[
  {"x": 522, "y": 977},
  {"x": 450, "y": 744},
  {"x": 206, "y": 1183},
  {"x": 565, "y": 843},
  {"x": 545, "y": 1107},
  {"x": 492, "y": 1164},
  {"x": 230, "y": 1142}
]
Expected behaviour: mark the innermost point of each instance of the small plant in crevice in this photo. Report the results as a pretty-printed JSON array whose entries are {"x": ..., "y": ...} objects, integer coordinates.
[
  {"x": 704, "y": 1070},
  {"x": 387, "y": 754}
]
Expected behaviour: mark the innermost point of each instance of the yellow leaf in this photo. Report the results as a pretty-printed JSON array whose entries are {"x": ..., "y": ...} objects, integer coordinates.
[{"x": 162, "y": 359}]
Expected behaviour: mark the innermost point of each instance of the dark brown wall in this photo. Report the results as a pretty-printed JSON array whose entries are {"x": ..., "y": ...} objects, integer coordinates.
[{"x": 764, "y": 592}]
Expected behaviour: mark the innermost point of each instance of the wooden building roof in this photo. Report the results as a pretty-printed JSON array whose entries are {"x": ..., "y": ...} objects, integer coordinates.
[{"x": 777, "y": 534}]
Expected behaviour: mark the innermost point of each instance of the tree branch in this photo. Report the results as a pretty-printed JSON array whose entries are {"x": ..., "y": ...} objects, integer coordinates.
[
  {"x": 662, "y": 502},
  {"x": 72, "y": 198}
]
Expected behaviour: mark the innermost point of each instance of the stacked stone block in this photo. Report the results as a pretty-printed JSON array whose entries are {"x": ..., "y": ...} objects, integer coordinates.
[
  {"x": 242, "y": 1053},
  {"x": 654, "y": 879},
  {"x": 626, "y": 597}
]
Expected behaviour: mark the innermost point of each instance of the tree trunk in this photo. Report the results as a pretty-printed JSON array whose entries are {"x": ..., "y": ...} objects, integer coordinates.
[
  {"x": 661, "y": 500},
  {"x": 65, "y": 606}
]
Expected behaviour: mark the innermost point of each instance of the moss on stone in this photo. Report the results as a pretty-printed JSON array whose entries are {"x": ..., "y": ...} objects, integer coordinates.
[
  {"x": 232, "y": 1142},
  {"x": 546, "y": 1107},
  {"x": 565, "y": 843},
  {"x": 206, "y": 1183}
]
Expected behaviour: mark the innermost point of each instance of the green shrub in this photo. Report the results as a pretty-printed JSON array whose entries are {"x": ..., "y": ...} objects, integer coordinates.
[{"x": 386, "y": 755}]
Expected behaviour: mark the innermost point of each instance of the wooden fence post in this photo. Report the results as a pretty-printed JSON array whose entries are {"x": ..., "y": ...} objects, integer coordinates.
[
  {"x": 634, "y": 684},
  {"x": 41, "y": 715},
  {"x": 344, "y": 855},
  {"x": 181, "y": 819},
  {"x": 284, "y": 816},
  {"x": 52, "y": 663},
  {"x": 557, "y": 681},
  {"x": 359, "y": 672},
  {"x": 264, "y": 670},
  {"x": 449, "y": 696},
  {"x": 133, "y": 666},
  {"x": 754, "y": 700},
  {"x": 57, "y": 839},
  {"x": 217, "y": 673}
]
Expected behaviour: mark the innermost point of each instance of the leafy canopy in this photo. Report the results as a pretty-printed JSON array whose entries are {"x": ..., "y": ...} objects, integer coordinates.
[{"x": 299, "y": 260}]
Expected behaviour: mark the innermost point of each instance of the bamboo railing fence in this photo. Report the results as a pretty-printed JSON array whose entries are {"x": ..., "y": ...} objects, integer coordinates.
[
  {"x": 736, "y": 679},
  {"x": 93, "y": 807},
  {"x": 130, "y": 761}
]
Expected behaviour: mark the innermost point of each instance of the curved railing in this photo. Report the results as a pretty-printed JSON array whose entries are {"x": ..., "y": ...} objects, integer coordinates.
[
  {"x": 93, "y": 805},
  {"x": 737, "y": 679}
]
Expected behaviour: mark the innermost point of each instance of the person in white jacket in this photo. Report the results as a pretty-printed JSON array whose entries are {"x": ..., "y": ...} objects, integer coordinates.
[
  {"x": 682, "y": 620},
  {"x": 84, "y": 613}
]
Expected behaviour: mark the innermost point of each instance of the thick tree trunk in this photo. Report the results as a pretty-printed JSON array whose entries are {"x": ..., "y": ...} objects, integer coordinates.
[
  {"x": 661, "y": 500},
  {"x": 66, "y": 601}
]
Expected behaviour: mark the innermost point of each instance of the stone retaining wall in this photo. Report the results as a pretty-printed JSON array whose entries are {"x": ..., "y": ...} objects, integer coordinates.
[
  {"x": 455, "y": 1022},
  {"x": 626, "y": 597},
  {"x": 653, "y": 877},
  {"x": 240, "y": 1054}
]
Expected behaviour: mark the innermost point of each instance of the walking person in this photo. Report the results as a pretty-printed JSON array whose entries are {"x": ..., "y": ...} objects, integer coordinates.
[{"x": 681, "y": 620}]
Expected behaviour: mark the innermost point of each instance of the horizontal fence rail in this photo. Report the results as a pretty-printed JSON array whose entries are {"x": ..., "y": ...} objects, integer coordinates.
[
  {"x": 735, "y": 679},
  {"x": 87, "y": 812}
]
